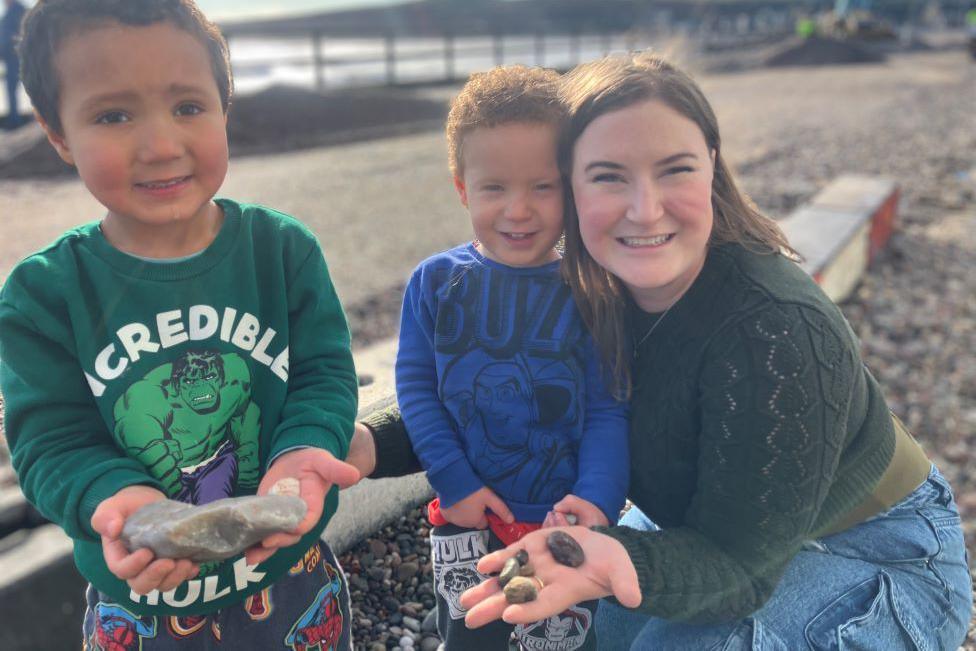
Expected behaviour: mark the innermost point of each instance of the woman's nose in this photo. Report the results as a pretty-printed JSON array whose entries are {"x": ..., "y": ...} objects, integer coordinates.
[{"x": 647, "y": 204}]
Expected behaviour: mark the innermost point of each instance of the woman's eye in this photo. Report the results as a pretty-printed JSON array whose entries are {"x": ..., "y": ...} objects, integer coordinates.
[
  {"x": 608, "y": 177},
  {"x": 112, "y": 117},
  {"x": 681, "y": 169},
  {"x": 189, "y": 109}
]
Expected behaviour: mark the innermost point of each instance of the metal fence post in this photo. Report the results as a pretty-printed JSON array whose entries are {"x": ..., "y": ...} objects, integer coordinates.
[
  {"x": 499, "y": 47},
  {"x": 540, "y": 48},
  {"x": 319, "y": 64},
  {"x": 390, "y": 60},
  {"x": 449, "y": 56}
]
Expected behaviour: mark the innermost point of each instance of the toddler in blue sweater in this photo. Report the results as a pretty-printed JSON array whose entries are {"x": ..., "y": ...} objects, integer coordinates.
[{"x": 499, "y": 384}]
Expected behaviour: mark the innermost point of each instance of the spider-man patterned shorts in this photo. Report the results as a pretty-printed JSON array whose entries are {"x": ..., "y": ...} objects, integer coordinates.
[{"x": 307, "y": 609}]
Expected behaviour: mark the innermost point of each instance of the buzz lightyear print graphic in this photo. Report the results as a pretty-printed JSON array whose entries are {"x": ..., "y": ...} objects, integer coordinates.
[
  {"x": 192, "y": 423},
  {"x": 513, "y": 414}
]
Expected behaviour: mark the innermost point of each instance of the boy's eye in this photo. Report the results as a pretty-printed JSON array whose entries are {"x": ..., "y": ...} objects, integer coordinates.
[
  {"x": 493, "y": 187},
  {"x": 189, "y": 108},
  {"x": 111, "y": 117}
]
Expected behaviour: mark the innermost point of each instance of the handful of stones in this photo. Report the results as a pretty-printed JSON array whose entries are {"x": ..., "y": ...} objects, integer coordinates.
[
  {"x": 517, "y": 578},
  {"x": 214, "y": 531}
]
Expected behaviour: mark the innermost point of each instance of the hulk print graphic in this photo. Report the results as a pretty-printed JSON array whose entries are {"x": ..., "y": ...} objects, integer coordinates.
[{"x": 193, "y": 425}]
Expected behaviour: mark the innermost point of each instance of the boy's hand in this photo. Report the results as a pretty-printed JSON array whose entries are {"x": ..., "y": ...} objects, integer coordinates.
[
  {"x": 316, "y": 470},
  {"x": 470, "y": 512},
  {"x": 586, "y": 513},
  {"x": 140, "y": 569}
]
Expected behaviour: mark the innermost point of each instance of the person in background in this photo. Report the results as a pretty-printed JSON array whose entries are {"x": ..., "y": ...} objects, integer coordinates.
[{"x": 9, "y": 29}]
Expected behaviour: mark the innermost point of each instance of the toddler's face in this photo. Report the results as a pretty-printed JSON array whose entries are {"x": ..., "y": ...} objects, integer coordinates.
[
  {"x": 512, "y": 188},
  {"x": 142, "y": 122}
]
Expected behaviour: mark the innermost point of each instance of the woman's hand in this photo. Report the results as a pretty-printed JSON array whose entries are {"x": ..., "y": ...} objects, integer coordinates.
[
  {"x": 316, "y": 470},
  {"x": 606, "y": 571},
  {"x": 362, "y": 450},
  {"x": 470, "y": 512}
]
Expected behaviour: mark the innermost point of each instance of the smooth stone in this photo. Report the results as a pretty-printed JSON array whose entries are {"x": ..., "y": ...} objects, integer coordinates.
[
  {"x": 407, "y": 570},
  {"x": 429, "y": 644},
  {"x": 210, "y": 532},
  {"x": 412, "y": 624},
  {"x": 509, "y": 571},
  {"x": 527, "y": 570},
  {"x": 520, "y": 590},
  {"x": 429, "y": 625},
  {"x": 565, "y": 549},
  {"x": 406, "y": 642}
]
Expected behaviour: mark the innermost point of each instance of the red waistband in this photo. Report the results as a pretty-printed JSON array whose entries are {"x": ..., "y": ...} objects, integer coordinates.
[{"x": 507, "y": 533}]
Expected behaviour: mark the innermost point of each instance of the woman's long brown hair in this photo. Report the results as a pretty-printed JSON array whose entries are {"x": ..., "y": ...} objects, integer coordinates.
[{"x": 610, "y": 84}]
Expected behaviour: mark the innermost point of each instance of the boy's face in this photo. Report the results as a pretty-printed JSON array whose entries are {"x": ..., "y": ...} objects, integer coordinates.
[
  {"x": 511, "y": 186},
  {"x": 142, "y": 121}
]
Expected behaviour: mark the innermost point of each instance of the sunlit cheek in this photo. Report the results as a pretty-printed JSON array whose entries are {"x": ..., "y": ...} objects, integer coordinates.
[
  {"x": 692, "y": 204},
  {"x": 103, "y": 169}
]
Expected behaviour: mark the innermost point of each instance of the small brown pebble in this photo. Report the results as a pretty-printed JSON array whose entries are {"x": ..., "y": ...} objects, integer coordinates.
[
  {"x": 565, "y": 549},
  {"x": 526, "y": 570},
  {"x": 509, "y": 571},
  {"x": 520, "y": 590},
  {"x": 522, "y": 556}
]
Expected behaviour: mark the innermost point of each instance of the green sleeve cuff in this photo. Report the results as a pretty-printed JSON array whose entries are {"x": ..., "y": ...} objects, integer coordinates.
[{"x": 308, "y": 437}]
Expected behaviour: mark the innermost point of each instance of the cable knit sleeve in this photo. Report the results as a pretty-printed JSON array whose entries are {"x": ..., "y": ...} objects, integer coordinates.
[{"x": 774, "y": 392}]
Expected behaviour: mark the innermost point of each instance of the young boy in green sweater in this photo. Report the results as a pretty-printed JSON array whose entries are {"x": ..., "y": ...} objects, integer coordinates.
[{"x": 182, "y": 347}]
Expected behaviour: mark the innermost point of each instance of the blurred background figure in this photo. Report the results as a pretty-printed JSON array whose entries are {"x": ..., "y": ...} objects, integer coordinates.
[{"x": 9, "y": 28}]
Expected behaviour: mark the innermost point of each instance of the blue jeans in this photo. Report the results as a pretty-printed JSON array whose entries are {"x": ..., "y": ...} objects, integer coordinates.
[{"x": 899, "y": 580}]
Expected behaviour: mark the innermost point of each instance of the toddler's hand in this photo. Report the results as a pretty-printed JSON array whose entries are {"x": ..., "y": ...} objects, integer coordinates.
[
  {"x": 470, "y": 512},
  {"x": 586, "y": 513},
  {"x": 316, "y": 470},
  {"x": 140, "y": 569}
]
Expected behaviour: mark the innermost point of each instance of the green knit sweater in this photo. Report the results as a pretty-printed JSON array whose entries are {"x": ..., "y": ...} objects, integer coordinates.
[
  {"x": 754, "y": 426},
  {"x": 188, "y": 376}
]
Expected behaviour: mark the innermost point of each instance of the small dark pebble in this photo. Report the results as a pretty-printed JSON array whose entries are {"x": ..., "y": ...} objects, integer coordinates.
[
  {"x": 522, "y": 557},
  {"x": 565, "y": 549}
]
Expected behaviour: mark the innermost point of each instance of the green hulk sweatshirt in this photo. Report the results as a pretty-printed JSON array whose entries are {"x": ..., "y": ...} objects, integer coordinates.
[{"x": 188, "y": 376}]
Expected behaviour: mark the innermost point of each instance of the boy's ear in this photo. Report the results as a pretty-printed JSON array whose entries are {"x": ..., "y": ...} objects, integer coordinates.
[
  {"x": 461, "y": 190},
  {"x": 56, "y": 139}
]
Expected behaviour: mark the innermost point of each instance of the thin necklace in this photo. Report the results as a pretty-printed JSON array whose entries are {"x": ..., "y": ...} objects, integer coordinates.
[{"x": 647, "y": 334}]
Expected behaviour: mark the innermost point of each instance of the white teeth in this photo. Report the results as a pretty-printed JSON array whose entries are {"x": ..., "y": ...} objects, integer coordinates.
[
  {"x": 162, "y": 184},
  {"x": 646, "y": 241},
  {"x": 518, "y": 236}
]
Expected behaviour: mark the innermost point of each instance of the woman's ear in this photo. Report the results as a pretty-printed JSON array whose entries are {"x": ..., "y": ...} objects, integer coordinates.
[{"x": 56, "y": 139}]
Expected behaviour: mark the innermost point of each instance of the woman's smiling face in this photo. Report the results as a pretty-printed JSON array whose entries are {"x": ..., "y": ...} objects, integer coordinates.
[{"x": 642, "y": 181}]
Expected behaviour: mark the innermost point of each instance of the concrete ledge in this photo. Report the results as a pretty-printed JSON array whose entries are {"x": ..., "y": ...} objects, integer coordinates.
[{"x": 842, "y": 230}]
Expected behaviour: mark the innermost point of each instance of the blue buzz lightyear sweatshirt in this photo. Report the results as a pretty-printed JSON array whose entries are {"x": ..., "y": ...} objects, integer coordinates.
[{"x": 500, "y": 385}]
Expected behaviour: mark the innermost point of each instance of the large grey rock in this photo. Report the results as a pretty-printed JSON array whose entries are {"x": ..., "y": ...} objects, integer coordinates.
[{"x": 213, "y": 531}]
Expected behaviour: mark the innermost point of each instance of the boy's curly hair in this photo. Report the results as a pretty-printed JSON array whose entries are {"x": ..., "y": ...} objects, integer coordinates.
[
  {"x": 503, "y": 95},
  {"x": 49, "y": 22}
]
